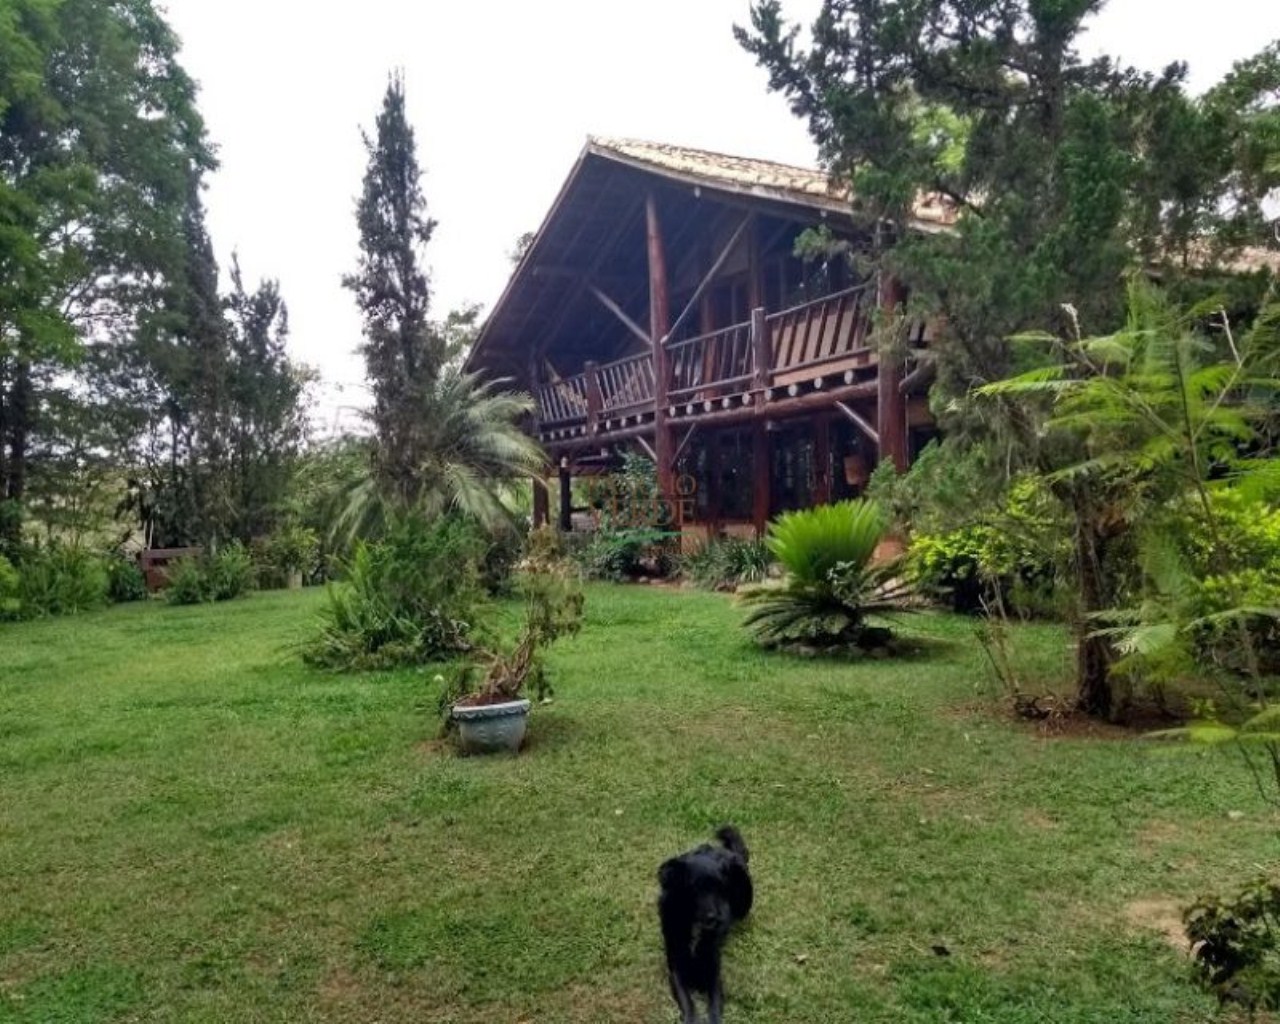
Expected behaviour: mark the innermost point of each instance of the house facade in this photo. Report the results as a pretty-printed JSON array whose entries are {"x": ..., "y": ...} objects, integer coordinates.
[{"x": 661, "y": 308}]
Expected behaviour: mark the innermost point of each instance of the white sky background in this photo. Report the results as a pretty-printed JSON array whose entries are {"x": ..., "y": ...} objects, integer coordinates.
[{"x": 502, "y": 95}]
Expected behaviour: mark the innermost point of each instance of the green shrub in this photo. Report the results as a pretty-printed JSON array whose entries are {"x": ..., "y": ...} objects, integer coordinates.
[
  {"x": 831, "y": 589},
  {"x": 408, "y": 599},
  {"x": 1013, "y": 556},
  {"x": 223, "y": 576},
  {"x": 187, "y": 582},
  {"x": 502, "y": 551},
  {"x": 726, "y": 563},
  {"x": 230, "y": 572},
  {"x": 10, "y": 591},
  {"x": 58, "y": 579},
  {"x": 1234, "y": 943},
  {"x": 292, "y": 549},
  {"x": 125, "y": 580},
  {"x": 620, "y": 555}
]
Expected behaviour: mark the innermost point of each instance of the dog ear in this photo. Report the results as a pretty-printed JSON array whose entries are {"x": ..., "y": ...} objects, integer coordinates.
[{"x": 673, "y": 873}]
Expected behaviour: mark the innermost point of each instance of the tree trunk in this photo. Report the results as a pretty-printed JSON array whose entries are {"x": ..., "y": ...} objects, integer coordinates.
[{"x": 1093, "y": 653}]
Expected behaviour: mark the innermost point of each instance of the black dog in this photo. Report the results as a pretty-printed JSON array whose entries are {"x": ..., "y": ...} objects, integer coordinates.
[{"x": 704, "y": 892}]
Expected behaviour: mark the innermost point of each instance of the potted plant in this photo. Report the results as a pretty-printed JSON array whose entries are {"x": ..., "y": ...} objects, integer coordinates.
[
  {"x": 486, "y": 701},
  {"x": 293, "y": 551}
]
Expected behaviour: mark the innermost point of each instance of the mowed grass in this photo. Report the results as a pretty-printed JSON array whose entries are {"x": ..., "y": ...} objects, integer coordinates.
[{"x": 195, "y": 827}]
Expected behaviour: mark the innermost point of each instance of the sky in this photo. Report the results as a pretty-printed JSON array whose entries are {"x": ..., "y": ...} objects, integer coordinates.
[{"x": 502, "y": 95}]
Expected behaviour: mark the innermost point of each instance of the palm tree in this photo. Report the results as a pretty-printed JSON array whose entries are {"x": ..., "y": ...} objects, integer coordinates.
[{"x": 464, "y": 449}]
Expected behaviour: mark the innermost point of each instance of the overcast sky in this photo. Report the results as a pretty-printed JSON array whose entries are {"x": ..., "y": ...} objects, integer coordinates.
[{"x": 503, "y": 94}]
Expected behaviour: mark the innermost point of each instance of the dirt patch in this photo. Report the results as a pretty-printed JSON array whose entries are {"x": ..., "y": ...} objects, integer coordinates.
[
  {"x": 1162, "y": 916},
  {"x": 1054, "y": 721},
  {"x": 1037, "y": 819}
]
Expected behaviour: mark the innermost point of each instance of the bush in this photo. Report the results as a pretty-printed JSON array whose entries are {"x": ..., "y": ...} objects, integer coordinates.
[
  {"x": 292, "y": 549},
  {"x": 10, "y": 591},
  {"x": 125, "y": 580},
  {"x": 58, "y": 579},
  {"x": 1234, "y": 943},
  {"x": 831, "y": 588},
  {"x": 502, "y": 551},
  {"x": 187, "y": 582},
  {"x": 406, "y": 600},
  {"x": 726, "y": 563},
  {"x": 224, "y": 576},
  {"x": 1014, "y": 557},
  {"x": 621, "y": 555}
]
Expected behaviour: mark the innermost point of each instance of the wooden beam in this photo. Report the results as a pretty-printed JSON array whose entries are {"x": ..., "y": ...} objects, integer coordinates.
[
  {"x": 761, "y": 350},
  {"x": 861, "y": 423},
  {"x": 648, "y": 448},
  {"x": 688, "y": 436},
  {"x": 595, "y": 401},
  {"x": 566, "y": 497},
  {"x": 761, "y": 475},
  {"x": 621, "y": 314},
  {"x": 822, "y": 461},
  {"x": 721, "y": 260},
  {"x": 659, "y": 318}
]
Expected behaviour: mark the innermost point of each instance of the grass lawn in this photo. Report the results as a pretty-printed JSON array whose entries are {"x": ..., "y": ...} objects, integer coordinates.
[{"x": 195, "y": 827}]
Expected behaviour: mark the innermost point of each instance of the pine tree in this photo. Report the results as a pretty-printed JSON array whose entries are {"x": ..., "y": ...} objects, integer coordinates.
[{"x": 403, "y": 355}]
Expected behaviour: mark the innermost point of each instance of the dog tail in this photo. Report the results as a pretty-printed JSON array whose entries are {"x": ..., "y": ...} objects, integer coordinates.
[{"x": 732, "y": 840}]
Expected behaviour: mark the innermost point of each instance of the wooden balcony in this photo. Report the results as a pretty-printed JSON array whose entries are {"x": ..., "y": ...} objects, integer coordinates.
[{"x": 732, "y": 371}]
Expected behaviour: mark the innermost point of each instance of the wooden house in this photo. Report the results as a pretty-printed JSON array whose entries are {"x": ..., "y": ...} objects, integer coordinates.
[{"x": 662, "y": 307}]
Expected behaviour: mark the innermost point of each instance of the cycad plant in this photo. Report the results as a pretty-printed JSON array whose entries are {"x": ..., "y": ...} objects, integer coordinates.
[
  {"x": 465, "y": 447},
  {"x": 831, "y": 588}
]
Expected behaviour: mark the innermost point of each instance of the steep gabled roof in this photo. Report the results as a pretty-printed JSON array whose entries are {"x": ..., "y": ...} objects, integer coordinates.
[{"x": 764, "y": 179}]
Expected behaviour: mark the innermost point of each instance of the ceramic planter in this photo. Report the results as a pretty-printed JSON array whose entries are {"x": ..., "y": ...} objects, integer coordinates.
[{"x": 491, "y": 728}]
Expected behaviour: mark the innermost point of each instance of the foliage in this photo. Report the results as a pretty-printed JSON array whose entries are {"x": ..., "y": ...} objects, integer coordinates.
[
  {"x": 225, "y": 575},
  {"x": 293, "y": 548},
  {"x": 466, "y": 446},
  {"x": 726, "y": 563},
  {"x": 10, "y": 591},
  {"x": 1234, "y": 945},
  {"x": 100, "y": 148},
  {"x": 831, "y": 587},
  {"x": 186, "y": 582},
  {"x": 403, "y": 355},
  {"x": 1015, "y": 554},
  {"x": 554, "y": 602},
  {"x": 407, "y": 599},
  {"x": 503, "y": 549},
  {"x": 1062, "y": 174},
  {"x": 125, "y": 580},
  {"x": 625, "y": 554},
  {"x": 61, "y": 579},
  {"x": 1147, "y": 423}
]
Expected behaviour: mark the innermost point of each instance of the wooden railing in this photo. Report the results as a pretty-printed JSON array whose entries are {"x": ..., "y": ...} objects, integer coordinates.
[
  {"x": 717, "y": 360},
  {"x": 821, "y": 338},
  {"x": 626, "y": 384},
  {"x": 563, "y": 401},
  {"x": 829, "y": 330}
]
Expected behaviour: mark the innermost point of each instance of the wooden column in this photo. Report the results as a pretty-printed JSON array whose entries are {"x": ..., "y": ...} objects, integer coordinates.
[
  {"x": 822, "y": 460},
  {"x": 659, "y": 321},
  {"x": 891, "y": 406},
  {"x": 566, "y": 497},
  {"x": 715, "y": 499},
  {"x": 761, "y": 475},
  {"x": 541, "y": 503},
  {"x": 755, "y": 266},
  {"x": 595, "y": 401},
  {"x": 761, "y": 352}
]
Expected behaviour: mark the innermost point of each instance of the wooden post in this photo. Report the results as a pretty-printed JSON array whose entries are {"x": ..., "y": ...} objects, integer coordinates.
[
  {"x": 541, "y": 503},
  {"x": 755, "y": 267},
  {"x": 761, "y": 475},
  {"x": 891, "y": 406},
  {"x": 659, "y": 320},
  {"x": 761, "y": 351},
  {"x": 595, "y": 401},
  {"x": 566, "y": 497},
  {"x": 715, "y": 500},
  {"x": 822, "y": 460}
]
